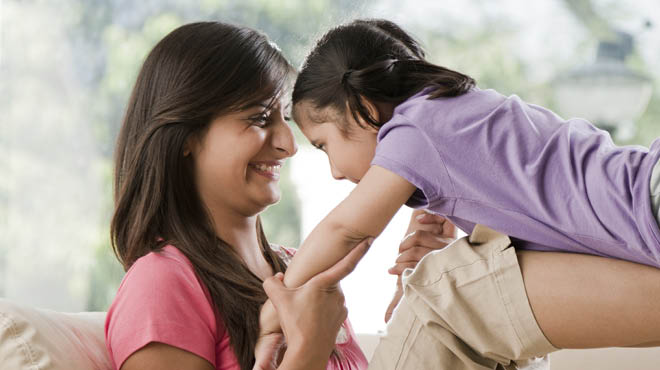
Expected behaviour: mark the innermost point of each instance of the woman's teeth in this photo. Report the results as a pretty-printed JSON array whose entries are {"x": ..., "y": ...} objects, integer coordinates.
[{"x": 266, "y": 168}]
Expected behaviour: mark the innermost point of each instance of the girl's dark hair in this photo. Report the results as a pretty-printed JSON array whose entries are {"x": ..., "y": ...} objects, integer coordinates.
[
  {"x": 373, "y": 59},
  {"x": 196, "y": 73}
]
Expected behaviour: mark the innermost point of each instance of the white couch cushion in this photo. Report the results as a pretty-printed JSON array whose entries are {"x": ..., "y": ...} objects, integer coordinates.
[{"x": 37, "y": 339}]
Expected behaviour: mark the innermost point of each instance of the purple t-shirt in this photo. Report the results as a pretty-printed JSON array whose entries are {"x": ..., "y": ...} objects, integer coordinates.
[{"x": 548, "y": 183}]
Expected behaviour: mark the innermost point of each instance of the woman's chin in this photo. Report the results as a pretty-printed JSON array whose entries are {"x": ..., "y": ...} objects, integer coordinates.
[{"x": 269, "y": 199}]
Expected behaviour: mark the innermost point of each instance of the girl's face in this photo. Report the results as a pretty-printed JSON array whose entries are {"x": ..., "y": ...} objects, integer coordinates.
[
  {"x": 238, "y": 159},
  {"x": 349, "y": 155}
]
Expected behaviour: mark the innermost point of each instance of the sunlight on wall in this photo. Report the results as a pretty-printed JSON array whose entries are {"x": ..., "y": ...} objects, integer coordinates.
[
  {"x": 369, "y": 288},
  {"x": 55, "y": 185}
]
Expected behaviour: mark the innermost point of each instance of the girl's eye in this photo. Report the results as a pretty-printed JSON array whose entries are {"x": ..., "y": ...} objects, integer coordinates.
[{"x": 320, "y": 147}]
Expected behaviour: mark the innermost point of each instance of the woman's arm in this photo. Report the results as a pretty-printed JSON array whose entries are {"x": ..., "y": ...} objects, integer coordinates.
[
  {"x": 364, "y": 213},
  {"x": 159, "y": 356}
]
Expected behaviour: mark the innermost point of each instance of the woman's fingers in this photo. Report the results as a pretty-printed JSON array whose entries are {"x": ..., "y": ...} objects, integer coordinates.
[
  {"x": 399, "y": 267},
  {"x": 267, "y": 352},
  {"x": 331, "y": 277},
  {"x": 449, "y": 230},
  {"x": 430, "y": 218},
  {"x": 421, "y": 238},
  {"x": 395, "y": 299},
  {"x": 269, "y": 321},
  {"x": 414, "y": 254},
  {"x": 274, "y": 286},
  {"x": 435, "y": 223}
]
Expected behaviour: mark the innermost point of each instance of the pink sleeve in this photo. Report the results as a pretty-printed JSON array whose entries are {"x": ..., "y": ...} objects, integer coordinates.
[
  {"x": 349, "y": 354},
  {"x": 161, "y": 300}
]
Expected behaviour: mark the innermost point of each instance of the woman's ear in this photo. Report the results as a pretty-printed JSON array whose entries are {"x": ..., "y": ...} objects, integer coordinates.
[{"x": 190, "y": 145}]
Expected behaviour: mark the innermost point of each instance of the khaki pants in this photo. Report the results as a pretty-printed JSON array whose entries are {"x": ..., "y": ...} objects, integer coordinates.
[{"x": 464, "y": 308}]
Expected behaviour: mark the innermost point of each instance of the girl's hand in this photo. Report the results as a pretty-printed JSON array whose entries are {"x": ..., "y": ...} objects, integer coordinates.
[
  {"x": 310, "y": 316},
  {"x": 426, "y": 232}
]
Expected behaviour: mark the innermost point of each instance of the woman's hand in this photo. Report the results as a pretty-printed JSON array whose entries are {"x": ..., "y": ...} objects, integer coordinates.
[
  {"x": 270, "y": 346},
  {"x": 426, "y": 232},
  {"x": 310, "y": 316}
]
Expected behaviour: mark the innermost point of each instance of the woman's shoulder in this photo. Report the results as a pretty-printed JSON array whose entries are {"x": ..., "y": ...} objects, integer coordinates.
[
  {"x": 164, "y": 275},
  {"x": 161, "y": 265},
  {"x": 161, "y": 286},
  {"x": 161, "y": 299}
]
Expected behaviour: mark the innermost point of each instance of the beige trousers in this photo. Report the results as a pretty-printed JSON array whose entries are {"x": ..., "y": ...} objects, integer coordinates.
[{"x": 464, "y": 308}]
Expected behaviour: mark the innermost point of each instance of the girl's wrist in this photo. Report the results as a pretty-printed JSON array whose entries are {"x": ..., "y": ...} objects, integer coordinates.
[{"x": 297, "y": 357}]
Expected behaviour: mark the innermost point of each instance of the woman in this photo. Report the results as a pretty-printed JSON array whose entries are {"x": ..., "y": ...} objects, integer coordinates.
[{"x": 197, "y": 159}]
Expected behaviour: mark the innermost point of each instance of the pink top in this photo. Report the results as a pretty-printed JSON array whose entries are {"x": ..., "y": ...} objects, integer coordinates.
[{"x": 161, "y": 300}]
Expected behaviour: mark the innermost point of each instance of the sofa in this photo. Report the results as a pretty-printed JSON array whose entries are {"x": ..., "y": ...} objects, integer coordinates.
[{"x": 39, "y": 339}]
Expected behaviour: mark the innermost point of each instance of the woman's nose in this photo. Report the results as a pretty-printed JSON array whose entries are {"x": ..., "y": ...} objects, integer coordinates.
[{"x": 283, "y": 139}]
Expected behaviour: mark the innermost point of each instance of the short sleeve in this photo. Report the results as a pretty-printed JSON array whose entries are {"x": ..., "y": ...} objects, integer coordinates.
[
  {"x": 161, "y": 300},
  {"x": 349, "y": 355},
  {"x": 407, "y": 151}
]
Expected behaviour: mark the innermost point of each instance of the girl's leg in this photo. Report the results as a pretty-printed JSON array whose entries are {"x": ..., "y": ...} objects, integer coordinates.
[
  {"x": 582, "y": 301},
  {"x": 464, "y": 308}
]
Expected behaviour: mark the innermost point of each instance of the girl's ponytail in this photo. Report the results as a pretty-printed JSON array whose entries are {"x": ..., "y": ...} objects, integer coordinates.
[{"x": 373, "y": 59}]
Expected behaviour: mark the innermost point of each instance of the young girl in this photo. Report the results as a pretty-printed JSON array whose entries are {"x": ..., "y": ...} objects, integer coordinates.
[
  {"x": 197, "y": 160},
  {"x": 411, "y": 132}
]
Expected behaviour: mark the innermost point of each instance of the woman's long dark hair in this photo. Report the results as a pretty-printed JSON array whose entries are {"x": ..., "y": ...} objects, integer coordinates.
[
  {"x": 373, "y": 59},
  {"x": 196, "y": 73}
]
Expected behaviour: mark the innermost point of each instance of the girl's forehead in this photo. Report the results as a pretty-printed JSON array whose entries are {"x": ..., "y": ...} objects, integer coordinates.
[{"x": 307, "y": 112}]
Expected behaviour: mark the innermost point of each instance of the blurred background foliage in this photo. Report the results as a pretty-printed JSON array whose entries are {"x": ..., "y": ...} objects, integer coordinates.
[{"x": 67, "y": 68}]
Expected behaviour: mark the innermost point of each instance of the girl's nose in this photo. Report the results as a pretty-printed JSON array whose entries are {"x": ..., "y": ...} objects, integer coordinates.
[{"x": 335, "y": 172}]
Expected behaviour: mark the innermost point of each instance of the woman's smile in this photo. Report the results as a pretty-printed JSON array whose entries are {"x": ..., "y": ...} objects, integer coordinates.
[{"x": 268, "y": 169}]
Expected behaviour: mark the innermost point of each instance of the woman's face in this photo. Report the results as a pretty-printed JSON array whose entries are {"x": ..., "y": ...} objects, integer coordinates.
[{"x": 238, "y": 160}]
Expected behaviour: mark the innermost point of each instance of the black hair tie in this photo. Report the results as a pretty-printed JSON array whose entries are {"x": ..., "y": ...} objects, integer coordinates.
[{"x": 346, "y": 75}]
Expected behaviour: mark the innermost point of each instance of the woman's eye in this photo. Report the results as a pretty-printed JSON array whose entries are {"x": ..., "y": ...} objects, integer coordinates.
[{"x": 260, "y": 120}]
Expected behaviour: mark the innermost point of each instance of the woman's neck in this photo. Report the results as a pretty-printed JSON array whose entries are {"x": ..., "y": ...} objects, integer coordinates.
[{"x": 240, "y": 232}]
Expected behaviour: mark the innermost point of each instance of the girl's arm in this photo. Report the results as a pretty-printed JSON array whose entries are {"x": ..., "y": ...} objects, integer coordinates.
[
  {"x": 364, "y": 213},
  {"x": 311, "y": 316}
]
